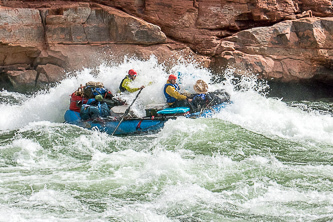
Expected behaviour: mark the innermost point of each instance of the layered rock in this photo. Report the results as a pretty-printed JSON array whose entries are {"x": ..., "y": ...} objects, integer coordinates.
[
  {"x": 277, "y": 39},
  {"x": 288, "y": 51},
  {"x": 42, "y": 44},
  {"x": 270, "y": 38}
]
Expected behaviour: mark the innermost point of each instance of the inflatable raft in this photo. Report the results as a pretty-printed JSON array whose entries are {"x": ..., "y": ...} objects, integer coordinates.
[{"x": 151, "y": 123}]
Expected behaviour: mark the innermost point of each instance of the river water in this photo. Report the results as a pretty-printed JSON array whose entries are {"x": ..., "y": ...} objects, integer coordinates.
[{"x": 259, "y": 159}]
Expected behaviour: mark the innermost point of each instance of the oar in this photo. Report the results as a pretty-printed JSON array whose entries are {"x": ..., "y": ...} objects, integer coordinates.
[{"x": 126, "y": 112}]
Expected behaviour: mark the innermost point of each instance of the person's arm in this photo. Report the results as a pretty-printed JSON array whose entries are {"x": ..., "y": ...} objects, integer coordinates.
[
  {"x": 126, "y": 85},
  {"x": 172, "y": 92}
]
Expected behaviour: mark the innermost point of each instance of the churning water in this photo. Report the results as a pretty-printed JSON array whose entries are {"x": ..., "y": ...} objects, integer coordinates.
[{"x": 259, "y": 159}]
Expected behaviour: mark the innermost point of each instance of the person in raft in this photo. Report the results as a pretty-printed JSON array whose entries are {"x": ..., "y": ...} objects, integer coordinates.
[
  {"x": 200, "y": 99},
  {"x": 125, "y": 83},
  {"x": 173, "y": 96}
]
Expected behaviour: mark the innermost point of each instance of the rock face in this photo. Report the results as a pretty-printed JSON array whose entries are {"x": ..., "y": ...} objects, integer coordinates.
[
  {"x": 283, "y": 40},
  {"x": 287, "y": 51},
  {"x": 42, "y": 44}
]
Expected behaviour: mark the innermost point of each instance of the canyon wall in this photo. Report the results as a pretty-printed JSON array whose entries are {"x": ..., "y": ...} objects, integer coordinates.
[{"x": 278, "y": 40}]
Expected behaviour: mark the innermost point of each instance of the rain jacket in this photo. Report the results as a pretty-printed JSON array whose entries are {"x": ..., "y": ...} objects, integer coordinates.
[{"x": 125, "y": 85}]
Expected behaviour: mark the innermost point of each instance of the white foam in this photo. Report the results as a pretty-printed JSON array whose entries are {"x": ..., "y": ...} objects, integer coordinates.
[{"x": 250, "y": 108}]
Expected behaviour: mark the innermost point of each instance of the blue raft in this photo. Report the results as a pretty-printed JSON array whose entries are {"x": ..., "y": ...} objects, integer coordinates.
[
  {"x": 108, "y": 125},
  {"x": 138, "y": 125}
]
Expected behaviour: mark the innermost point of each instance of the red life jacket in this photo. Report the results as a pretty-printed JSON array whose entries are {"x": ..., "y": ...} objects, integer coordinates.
[{"x": 73, "y": 102}]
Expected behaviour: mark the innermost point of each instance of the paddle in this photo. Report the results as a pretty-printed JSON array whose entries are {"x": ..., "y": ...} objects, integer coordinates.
[{"x": 126, "y": 112}]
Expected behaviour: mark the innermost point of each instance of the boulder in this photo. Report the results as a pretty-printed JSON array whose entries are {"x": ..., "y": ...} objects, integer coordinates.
[
  {"x": 287, "y": 51},
  {"x": 52, "y": 73},
  {"x": 22, "y": 78}
]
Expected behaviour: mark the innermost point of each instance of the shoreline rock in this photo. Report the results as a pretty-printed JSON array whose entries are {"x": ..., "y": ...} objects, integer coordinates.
[{"x": 278, "y": 41}]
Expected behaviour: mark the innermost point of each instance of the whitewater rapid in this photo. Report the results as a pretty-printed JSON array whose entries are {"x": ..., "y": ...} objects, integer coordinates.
[
  {"x": 259, "y": 159},
  {"x": 251, "y": 109}
]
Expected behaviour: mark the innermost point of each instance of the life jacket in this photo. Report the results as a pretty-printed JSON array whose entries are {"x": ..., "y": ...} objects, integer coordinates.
[
  {"x": 169, "y": 98},
  {"x": 200, "y": 97},
  {"x": 74, "y": 102},
  {"x": 121, "y": 88}
]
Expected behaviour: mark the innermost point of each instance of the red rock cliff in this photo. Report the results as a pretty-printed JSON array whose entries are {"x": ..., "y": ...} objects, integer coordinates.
[{"x": 284, "y": 40}]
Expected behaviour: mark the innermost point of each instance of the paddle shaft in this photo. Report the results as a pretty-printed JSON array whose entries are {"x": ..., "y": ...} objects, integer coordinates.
[{"x": 126, "y": 112}]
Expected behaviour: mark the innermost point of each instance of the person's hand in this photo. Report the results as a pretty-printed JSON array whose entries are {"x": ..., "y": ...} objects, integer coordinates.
[
  {"x": 142, "y": 87},
  {"x": 190, "y": 100}
]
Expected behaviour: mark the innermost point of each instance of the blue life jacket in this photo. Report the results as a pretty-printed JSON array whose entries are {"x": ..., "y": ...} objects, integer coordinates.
[
  {"x": 203, "y": 96},
  {"x": 169, "y": 98}
]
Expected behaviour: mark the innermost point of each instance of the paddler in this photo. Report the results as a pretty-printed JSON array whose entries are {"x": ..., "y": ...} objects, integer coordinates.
[
  {"x": 172, "y": 94},
  {"x": 125, "y": 83}
]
